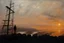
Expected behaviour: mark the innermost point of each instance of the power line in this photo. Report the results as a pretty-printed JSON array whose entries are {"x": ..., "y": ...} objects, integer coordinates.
[{"x": 9, "y": 18}]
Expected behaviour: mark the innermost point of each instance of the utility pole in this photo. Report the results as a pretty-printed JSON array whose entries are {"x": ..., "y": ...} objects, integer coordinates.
[{"x": 9, "y": 18}]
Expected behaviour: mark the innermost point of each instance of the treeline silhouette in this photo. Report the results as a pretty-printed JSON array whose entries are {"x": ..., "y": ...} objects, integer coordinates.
[{"x": 23, "y": 38}]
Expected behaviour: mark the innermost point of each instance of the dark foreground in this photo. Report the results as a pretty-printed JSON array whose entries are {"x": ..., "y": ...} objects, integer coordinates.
[{"x": 18, "y": 38}]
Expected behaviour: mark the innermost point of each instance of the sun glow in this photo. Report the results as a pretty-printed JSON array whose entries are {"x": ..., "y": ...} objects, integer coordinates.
[
  {"x": 59, "y": 29},
  {"x": 59, "y": 24}
]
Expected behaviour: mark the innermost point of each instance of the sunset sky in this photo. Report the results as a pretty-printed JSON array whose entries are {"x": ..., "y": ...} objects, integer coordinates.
[{"x": 43, "y": 15}]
